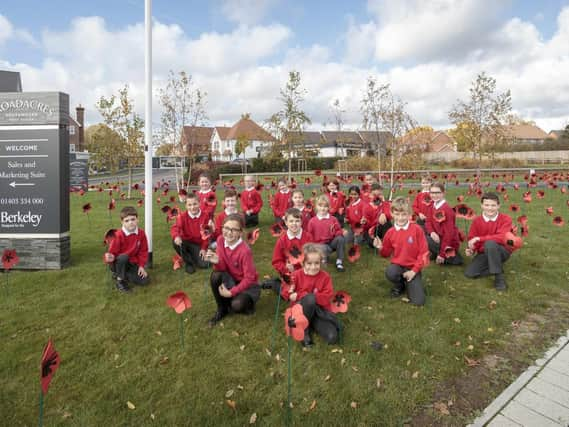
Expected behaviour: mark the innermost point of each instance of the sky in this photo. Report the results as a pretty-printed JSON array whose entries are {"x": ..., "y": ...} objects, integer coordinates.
[{"x": 241, "y": 51}]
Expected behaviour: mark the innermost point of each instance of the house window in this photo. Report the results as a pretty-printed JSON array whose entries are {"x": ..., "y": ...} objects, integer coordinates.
[{"x": 72, "y": 130}]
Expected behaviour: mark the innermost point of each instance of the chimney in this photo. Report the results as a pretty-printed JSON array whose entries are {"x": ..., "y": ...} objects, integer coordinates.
[{"x": 81, "y": 119}]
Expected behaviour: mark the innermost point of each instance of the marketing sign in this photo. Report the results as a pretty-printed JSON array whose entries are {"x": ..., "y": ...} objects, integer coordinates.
[{"x": 34, "y": 165}]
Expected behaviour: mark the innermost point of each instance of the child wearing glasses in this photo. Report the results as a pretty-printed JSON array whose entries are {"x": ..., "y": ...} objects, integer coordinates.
[
  {"x": 234, "y": 277},
  {"x": 440, "y": 227}
]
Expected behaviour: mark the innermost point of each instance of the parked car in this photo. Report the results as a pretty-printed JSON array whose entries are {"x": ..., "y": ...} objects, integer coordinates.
[{"x": 240, "y": 162}]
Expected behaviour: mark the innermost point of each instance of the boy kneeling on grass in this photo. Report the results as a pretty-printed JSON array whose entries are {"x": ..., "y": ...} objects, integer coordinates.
[
  {"x": 128, "y": 252},
  {"x": 311, "y": 287},
  {"x": 234, "y": 277},
  {"x": 486, "y": 240},
  {"x": 406, "y": 244}
]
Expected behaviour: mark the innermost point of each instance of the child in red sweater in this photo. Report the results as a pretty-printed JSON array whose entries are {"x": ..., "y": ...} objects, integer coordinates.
[
  {"x": 287, "y": 255},
  {"x": 128, "y": 252},
  {"x": 251, "y": 202},
  {"x": 405, "y": 243},
  {"x": 306, "y": 212},
  {"x": 487, "y": 240},
  {"x": 312, "y": 289},
  {"x": 325, "y": 229},
  {"x": 206, "y": 194},
  {"x": 366, "y": 189},
  {"x": 281, "y": 201},
  {"x": 379, "y": 214},
  {"x": 440, "y": 226},
  {"x": 422, "y": 200},
  {"x": 234, "y": 279},
  {"x": 229, "y": 207},
  {"x": 356, "y": 216},
  {"x": 336, "y": 200},
  {"x": 190, "y": 234}
]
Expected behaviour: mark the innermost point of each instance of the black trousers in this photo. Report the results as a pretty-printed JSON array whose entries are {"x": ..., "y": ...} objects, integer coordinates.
[
  {"x": 415, "y": 289},
  {"x": 251, "y": 220},
  {"x": 190, "y": 253},
  {"x": 241, "y": 303},
  {"x": 434, "y": 249},
  {"x": 489, "y": 262},
  {"x": 128, "y": 271},
  {"x": 323, "y": 322}
]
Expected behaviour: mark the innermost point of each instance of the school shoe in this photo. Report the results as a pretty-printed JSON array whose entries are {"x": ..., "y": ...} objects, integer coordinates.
[
  {"x": 219, "y": 314},
  {"x": 122, "y": 286},
  {"x": 340, "y": 267},
  {"x": 397, "y": 291},
  {"x": 307, "y": 340},
  {"x": 190, "y": 269},
  {"x": 500, "y": 283}
]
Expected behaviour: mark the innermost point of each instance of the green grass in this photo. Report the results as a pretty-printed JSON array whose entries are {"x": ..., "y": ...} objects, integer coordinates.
[{"x": 113, "y": 347}]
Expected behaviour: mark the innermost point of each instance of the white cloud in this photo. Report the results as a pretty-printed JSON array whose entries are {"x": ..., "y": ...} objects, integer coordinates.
[
  {"x": 8, "y": 32},
  {"x": 6, "y": 29},
  {"x": 246, "y": 12}
]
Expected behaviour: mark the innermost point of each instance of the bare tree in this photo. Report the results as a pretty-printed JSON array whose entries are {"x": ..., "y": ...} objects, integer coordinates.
[
  {"x": 119, "y": 115},
  {"x": 338, "y": 113},
  {"x": 480, "y": 120},
  {"x": 290, "y": 120},
  {"x": 371, "y": 107},
  {"x": 183, "y": 105}
]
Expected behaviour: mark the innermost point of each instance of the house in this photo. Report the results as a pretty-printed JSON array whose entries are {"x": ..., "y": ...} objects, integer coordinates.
[
  {"x": 428, "y": 140},
  {"x": 556, "y": 134},
  {"x": 224, "y": 142},
  {"x": 76, "y": 130},
  {"x": 375, "y": 139},
  {"x": 343, "y": 144},
  {"x": 304, "y": 144},
  {"x": 195, "y": 141},
  {"x": 525, "y": 134},
  {"x": 442, "y": 142}
]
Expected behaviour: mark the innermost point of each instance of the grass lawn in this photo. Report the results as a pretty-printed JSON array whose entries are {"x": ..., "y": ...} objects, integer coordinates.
[{"x": 119, "y": 348}]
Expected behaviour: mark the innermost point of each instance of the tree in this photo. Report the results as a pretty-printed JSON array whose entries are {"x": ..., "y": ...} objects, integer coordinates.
[
  {"x": 119, "y": 115},
  {"x": 338, "y": 113},
  {"x": 240, "y": 146},
  {"x": 183, "y": 105},
  {"x": 103, "y": 144},
  {"x": 165, "y": 149},
  {"x": 480, "y": 121},
  {"x": 371, "y": 105},
  {"x": 290, "y": 120}
]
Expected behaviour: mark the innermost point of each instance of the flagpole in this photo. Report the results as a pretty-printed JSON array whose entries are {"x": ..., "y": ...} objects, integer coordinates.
[{"x": 148, "y": 127}]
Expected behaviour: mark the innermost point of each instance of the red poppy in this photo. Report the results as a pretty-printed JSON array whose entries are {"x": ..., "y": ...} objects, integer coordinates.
[
  {"x": 205, "y": 231},
  {"x": 358, "y": 228},
  {"x": 158, "y": 200},
  {"x": 173, "y": 213},
  {"x": 122, "y": 196},
  {"x": 354, "y": 253},
  {"x": 450, "y": 252},
  {"x": 318, "y": 172},
  {"x": 179, "y": 301},
  {"x": 427, "y": 200},
  {"x": 516, "y": 187},
  {"x": 211, "y": 200},
  {"x": 308, "y": 205},
  {"x": 463, "y": 211},
  {"x": 540, "y": 194},
  {"x": 527, "y": 197},
  {"x": 81, "y": 192},
  {"x": 252, "y": 236},
  {"x": 340, "y": 302},
  {"x": 49, "y": 363},
  {"x": 112, "y": 205},
  {"x": 295, "y": 255},
  {"x": 135, "y": 187},
  {"x": 182, "y": 193},
  {"x": 276, "y": 229},
  {"x": 523, "y": 219},
  {"x": 514, "y": 207},
  {"x": 549, "y": 210},
  {"x": 525, "y": 230},
  {"x": 140, "y": 203},
  {"x": 172, "y": 199},
  {"x": 512, "y": 241},
  {"x": 307, "y": 181},
  {"x": 9, "y": 259},
  {"x": 165, "y": 209},
  {"x": 86, "y": 208},
  {"x": 259, "y": 187},
  {"x": 506, "y": 197},
  {"x": 439, "y": 216},
  {"x": 460, "y": 198},
  {"x": 177, "y": 262},
  {"x": 563, "y": 190},
  {"x": 558, "y": 221},
  {"x": 109, "y": 236},
  {"x": 295, "y": 322}
]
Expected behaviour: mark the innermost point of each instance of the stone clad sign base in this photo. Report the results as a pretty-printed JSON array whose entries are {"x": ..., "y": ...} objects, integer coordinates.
[{"x": 40, "y": 254}]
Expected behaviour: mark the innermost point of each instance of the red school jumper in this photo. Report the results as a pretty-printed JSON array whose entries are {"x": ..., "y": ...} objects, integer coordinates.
[
  {"x": 320, "y": 285},
  {"x": 208, "y": 202},
  {"x": 280, "y": 203},
  {"x": 238, "y": 262},
  {"x": 446, "y": 229},
  {"x": 324, "y": 230},
  {"x": 251, "y": 201},
  {"x": 407, "y": 248},
  {"x": 189, "y": 229},
  {"x": 135, "y": 245},
  {"x": 490, "y": 230}
]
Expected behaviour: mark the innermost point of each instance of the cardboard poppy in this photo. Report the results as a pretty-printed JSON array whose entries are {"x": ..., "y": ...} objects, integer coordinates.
[
  {"x": 512, "y": 241},
  {"x": 525, "y": 230},
  {"x": 308, "y": 205},
  {"x": 295, "y": 322},
  {"x": 354, "y": 253},
  {"x": 464, "y": 211},
  {"x": 450, "y": 252},
  {"x": 109, "y": 236},
  {"x": 460, "y": 198},
  {"x": 540, "y": 194},
  {"x": 112, "y": 205},
  {"x": 549, "y": 210},
  {"x": 340, "y": 301},
  {"x": 205, "y": 232},
  {"x": 295, "y": 255},
  {"x": 177, "y": 262},
  {"x": 172, "y": 199},
  {"x": 558, "y": 221},
  {"x": 49, "y": 363},
  {"x": 211, "y": 200},
  {"x": 9, "y": 259},
  {"x": 307, "y": 181},
  {"x": 522, "y": 219},
  {"x": 259, "y": 186},
  {"x": 563, "y": 190},
  {"x": 439, "y": 216},
  {"x": 252, "y": 236},
  {"x": 81, "y": 192},
  {"x": 140, "y": 203},
  {"x": 173, "y": 213},
  {"x": 318, "y": 172},
  {"x": 179, "y": 301},
  {"x": 135, "y": 187},
  {"x": 527, "y": 197},
  {"x": 276, "y": 229},
  {"x": 165, "y": 209},
  {"x": 514, "y": 207},
  {"x": 86, "y": 208},
  {"x": 123, "y": 196}
]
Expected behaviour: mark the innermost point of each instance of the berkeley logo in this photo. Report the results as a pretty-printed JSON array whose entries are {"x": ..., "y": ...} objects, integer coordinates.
[{"x": 14, "y": 220}]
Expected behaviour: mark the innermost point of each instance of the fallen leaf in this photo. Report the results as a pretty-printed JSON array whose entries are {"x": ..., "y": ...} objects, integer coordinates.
[
  {"x": 415, "y": 375},
  {"x": 152, "y": 416},
  {"x": 354, "y": 405},
  {"x": 457, "y": 320},
  {"x": 442, "y": 408},
  {"x": 343, "y": 361},
  {"x": 116, "y": 356},
  {"x": 278, "y": 357},
  {"x": 378, "y": 383},
  {"x": 130, "y": 405},
  {"x": 312, "y": 405},
  {"x": 229, "y": 393},
  {"x": 268, "y": 352},
  {"x": 492, "y": 305},
  {"x": 240, "y": 387},
  {"x": 231, "y": 404},
  {"x": 470, "y": 347},
  {"x": 355, "y": 368},
  {"x": 337, "y": 350},
  {"x": 471, "y": 362},
  {"x": 66, "y": 414},
  {"x": 159, "y": 333},
  {"x": 405, "y": 299},
  {"x": 457, "y": 344},
  {"x": 327, "y": 378},
  {"x": 516, "y": 323},
  {"x": 235, "y": 333},
  {"x": 253, "y": 418},
  {"x": 164, "y": 360},
  {"x": 242, "y": 347},
  {"x": 490, "y": 329},
  {"x": 408, "y": 362}
]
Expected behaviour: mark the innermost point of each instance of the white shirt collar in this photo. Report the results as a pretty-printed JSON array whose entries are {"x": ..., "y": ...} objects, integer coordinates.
[
  {"x": 439, "y": 203},
  {"x": 284, "y": 192},
  {"x": 233, "y": 246},
  {"x": 229, "y": 213},
  {"x": 205, "y": 191},
  {"x": 300, "y": 209},
  {"x": 356, "y": 202},
  {"x": 128, "y": 233},
  {"x": 323, "y": 217},
  {"x": 249, "y": 189},
  {"x": 195, "y": 216},
  {"x": 487, "y": 219},
  {"x": 292, "y": 236},
  {"x": 405, "y": 227}
]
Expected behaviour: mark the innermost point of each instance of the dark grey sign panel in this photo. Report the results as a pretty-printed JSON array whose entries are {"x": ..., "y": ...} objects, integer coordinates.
[
  {"x": 78, "y": 173},
  {"x": 34, "y": 108}
]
